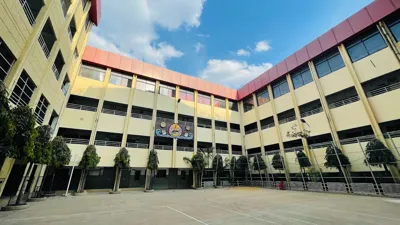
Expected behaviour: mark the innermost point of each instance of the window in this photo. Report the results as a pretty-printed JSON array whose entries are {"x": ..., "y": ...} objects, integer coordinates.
[
  {"x": 365, "y": 46},
  {"x": 72, "y": 29},
  {"x": 145, "y": 85},
  {"x": 262, "y": 97},
  {"x": 186, "y": 95},
  {"x": 233, "y": 105},
  {"x": 58, "y": 65},
  {"x": 23, "y": 90},
  {"x": 302, "y": 77},
  {"x": 87, "y": 23},
  {"x": 121, "y": 80},
  {"x": 31, "y": 9},
  {"x": 65, "y": 85},
  {"x": 329, "y": 63},
  {"x": 84, "y": 2},
  {"x": 161, "y": 173},
  {"x": 395, "y": 29},
  {"x": 280, "y": 88},
  {"x": 41, "y": 109},
  {"x": 65, "y": 5},
  {"x": 47, "y": 38},
  {"x": 137, "y": 174},
  {"x": 76, "y": 55},
  {"x": 204, "y": 99},
  {"x": 219, "y": 103},
  {"x": 167, "y": 90},
  {"x": 7, "y": 60},
  {"x": 248, "y": 103},
  {"x": 92, "y": 73}
]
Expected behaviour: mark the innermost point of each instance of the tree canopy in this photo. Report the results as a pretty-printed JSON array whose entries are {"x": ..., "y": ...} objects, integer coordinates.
[
  {"x": 278, "y": 162},
  {"x": 7, "y": 128},
  {"x": 152, "y": 163},
  {"x": 259, "y": 163},
  {"x": 42, "y": 152},
  {"x": 197, "y": 161},
  {"x": 122, "y": 159},
  {"x": 303, "y": 159},
  {"x": 242, "y": 163},
  {"x": 218, "y": 163},
  {"x": 90, "y": 159},
  {"x": 332, "y": 159},
  {"x": 233, "y": 163},
  {"x": 377, "y": 154},
  {"x": 61, "y": 154}
]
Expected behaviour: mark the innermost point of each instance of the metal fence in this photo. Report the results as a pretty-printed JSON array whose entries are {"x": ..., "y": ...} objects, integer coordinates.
[
  {"x": 137, "y": 145},
  {"x": 184, "y": 149},
  {"x": 76, "y": 141},
  {"x": 107, "y": 143},
  {"x": 141, "y": 116},
  {"x": 163, "y": 147},
  {"x": 113, "y": 112},
  {"x": 81, "y": 107}
]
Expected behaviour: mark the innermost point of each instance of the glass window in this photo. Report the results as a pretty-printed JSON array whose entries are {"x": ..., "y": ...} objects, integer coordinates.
[
  {"x": 302, "y": 78},
  {"x": 366, "y": 46},
  {"x": 145, "y": 85},
  {"x": 204, "y": 99},
  {"x": 395, "y": 29},
  {"x": 335, "y": 62},
  {"x": 7, "y": 60},
  {"x": 262, "y": 97},
  {"x": 41, "y": 109},
  {"x": 92, "y": 73},
  {"x": 167, "y": 90},
  {"x": 280, "y": 88},
  {"x": 219, "y": 103},
  {"x": 23, "y": 90},
  {"x": 65, "y": 85},
  {"x": 233, "y": 106},
  {"x": 248, "y": 103},
  {"x": 121, "y": 80},
  {"x": 186, "y": 95}
]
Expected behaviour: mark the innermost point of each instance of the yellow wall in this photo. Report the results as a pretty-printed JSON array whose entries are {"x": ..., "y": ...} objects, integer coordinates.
[
  {"x": 249, "y": 117},
  {"x": 270, "y": 136},
  {"x": 252, "y": 140},
  {"x": 107, "y": 155},
  {"x": 384, "y": 106},
  {"x": 350, "y": 116},
  {"x": 292, "y": 163},
  {"x": 186, "y": 108},
  {"x": 221, "y": 137},
  {"x": 204, "y": 134},
  {"x": 87, "y": 87},
  {"x": 166, "y": 103},
  {"x": 320, "y": 156},
  {"x": 219, "y": 114},
  {"x": 77, "y": 119},
  {"x": 117, "y": 93},
  {"x": 284, "y": 128},
  {"x": 375, "y": 65},
  {"x": 180, "y": 163},
  {"x": 204, "y": 111},
  {"x": 165, "y": 158},
  {"x": 318, "y": 124},
  {"x": 236, "y": 138},
  {"x": 139, "y": 157},
  {"x": 143, "y": 99},
  {"x": 283, "y": 103},
  {"x": 356, "y": 157},
  {"x": 336, "y": 81},
  {"x": 234, "y": 117},
  {"x": 265, "y": 110},
  {"x": 139, "y": 127},
  {"x": 306, "y": 93},
  {"x": 111, "y": 123}
]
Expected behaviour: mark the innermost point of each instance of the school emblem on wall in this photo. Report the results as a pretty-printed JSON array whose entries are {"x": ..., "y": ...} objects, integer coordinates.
[{"x": 174, "y": 130}]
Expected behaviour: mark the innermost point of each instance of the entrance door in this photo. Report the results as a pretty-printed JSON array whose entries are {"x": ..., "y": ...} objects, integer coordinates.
[
  {"x": 125, "y": 178},
  {"x": 173, "y": 178}
]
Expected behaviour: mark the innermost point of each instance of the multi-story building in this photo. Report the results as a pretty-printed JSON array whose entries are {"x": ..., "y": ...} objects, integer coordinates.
[
  {"x": 41, "y": 45},
  {"x": 342, "y": 87}
]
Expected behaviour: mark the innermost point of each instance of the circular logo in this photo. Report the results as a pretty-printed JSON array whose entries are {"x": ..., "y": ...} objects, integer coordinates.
[
  {"x": 163, "y": 124},
  {"x": 175, "y": 130}
]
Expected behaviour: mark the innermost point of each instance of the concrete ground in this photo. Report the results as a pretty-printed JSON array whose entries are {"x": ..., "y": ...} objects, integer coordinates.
[{"x": 209, "y": 206}]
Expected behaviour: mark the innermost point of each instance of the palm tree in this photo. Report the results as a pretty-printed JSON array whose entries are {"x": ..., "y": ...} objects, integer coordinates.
[
  {"x": 122, "y": 161},
  {"x": 259, "y": 164},
  {"x": 303, "y": 160},
  {"x": 152, "y": 167},
  {"x": 198, "y": 165},
  {"x": 377, "y": 154},
  {"x": 242, "y": 164},
  {"x": 218, "y": 167},
  {"x": 89, "y": 160},
  {"x": 336, "y": 159},
  {"x": 278, "y": 162},
  {"x": 232, "y": 168}
]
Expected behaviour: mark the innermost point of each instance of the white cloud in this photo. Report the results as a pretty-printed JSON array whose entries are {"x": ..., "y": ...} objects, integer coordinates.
[
  {"x": 204, "y": 35},
  {"x": 198, "y": 46},
  {"x": 232, "y": 73},
  {"x": 130, "y": 28},
  {"x": 262, "y": 46},
  {"x": 242, "y": 52}
]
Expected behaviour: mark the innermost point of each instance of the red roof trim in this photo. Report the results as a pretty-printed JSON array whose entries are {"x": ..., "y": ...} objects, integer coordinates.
[{"x": 95, "y": 12}]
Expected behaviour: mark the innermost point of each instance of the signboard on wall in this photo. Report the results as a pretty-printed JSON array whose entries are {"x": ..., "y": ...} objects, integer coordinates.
[{"x": 169, "y": 129}]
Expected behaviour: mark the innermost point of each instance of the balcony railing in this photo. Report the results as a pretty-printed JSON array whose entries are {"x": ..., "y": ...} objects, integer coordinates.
[
  {"x": 55, "y": 71},
  {"x": 383, "y": 90},
  {"x": 392, "y": 134},
  {"x": 187, "y": 123},
  {"x": 344, "y": 102},
  {"x": 204, "y": 125},
  {"x": 28, "y": 11},
  {"x": 235, "y": 130},
  {"x": 320, "y": 145},
  {"x": 107, "y": 143},
  {"x": 292, "y": 149},
  {"x": 113, "y": 112},
  {"x": 236, "y": 152},
  {"x": 167, "y": 120},
  {"x": 141, "y": 116},
  {"x": 311, "y": 112},
  {"x": 356, "y": 139},
  {"x": 163, "y": 147},
  {"x": 184, "y": 149},
  {"x": 137, "y": 145},
  {"x": 267, "y": 126},
  {"x": 287, "y": 120},
  {"x": 251, "y": 131},
  {"x": 222, "y": 151},
  {"x": 76, "y": 141},
  {"x": 221, "y": 128},
  {"x": 43, "y": 45},
  {"x": 81, "y": 107}
]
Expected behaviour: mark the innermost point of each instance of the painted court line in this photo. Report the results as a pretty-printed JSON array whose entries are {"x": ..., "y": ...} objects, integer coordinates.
[
  {"x": 187, "y": 215},
  {"x": 243, "y": 214}
]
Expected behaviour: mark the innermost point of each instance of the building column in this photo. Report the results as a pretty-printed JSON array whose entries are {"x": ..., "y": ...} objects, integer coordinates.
[
  {"x": 99, "y": 107},
  {"x": 5, "y": 171},
  {"x": 298, "y": 116},
  {"x": 195, "y": 123},
  {"x": 389, "y": 39},
  {"x": 278, "y": 132},
  {"x": 214, "y": 145},
  {"x": 154, "y": 116},
  {"x": 259, "y": 130},
  {"x": 242, "y": 133},
  {"x": 228, "y": 127},
  {"x": 175, "y": 140},
  {"x": 128, "y": 113}
]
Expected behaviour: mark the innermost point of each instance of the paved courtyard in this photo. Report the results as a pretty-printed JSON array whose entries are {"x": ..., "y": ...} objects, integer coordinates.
[{"x": 209, "y": 206}]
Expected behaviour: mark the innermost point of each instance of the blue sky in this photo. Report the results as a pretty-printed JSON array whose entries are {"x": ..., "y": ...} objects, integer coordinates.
[{"x": 227, "y": 42}]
